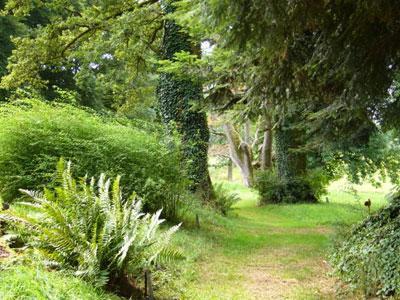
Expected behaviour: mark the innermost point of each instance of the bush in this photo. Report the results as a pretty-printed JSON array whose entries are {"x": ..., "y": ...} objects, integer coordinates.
[
  {"x": 93, "y": 231},
  {"x": 367, "y": 257},
  {"x": 318, "y": 179},
  {"x": 23, "y": 282},
  {"x": 34, "y": 135},
  {"x": 223, "y": 200},
  {"x": 273, "y": 190}
]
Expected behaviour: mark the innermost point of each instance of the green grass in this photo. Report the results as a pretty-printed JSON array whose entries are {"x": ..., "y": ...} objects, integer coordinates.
[
  {"x": 23, "y": 282},
  {"x": 268, "y": 252}
]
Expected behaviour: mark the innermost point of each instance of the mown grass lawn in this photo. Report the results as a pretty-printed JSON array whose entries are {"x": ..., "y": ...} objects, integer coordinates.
[
  {"x": 256, "y": 252},
  {"x": 270, "y": 252}
]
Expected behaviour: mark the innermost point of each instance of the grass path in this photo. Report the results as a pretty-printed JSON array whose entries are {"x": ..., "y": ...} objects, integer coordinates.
[{"x": 270, "y": 252}]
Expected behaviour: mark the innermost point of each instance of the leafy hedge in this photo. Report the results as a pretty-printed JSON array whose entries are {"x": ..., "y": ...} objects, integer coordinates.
[
  {"x": 368, "y": 257},
  {"x": 34, "y": 135}
]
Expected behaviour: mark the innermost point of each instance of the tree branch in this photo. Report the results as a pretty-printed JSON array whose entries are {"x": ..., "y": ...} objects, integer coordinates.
[{"x": 97, "y": 25}]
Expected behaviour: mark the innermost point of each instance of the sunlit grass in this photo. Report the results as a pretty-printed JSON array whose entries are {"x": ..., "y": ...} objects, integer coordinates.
[{"x": 272, "y": 251}]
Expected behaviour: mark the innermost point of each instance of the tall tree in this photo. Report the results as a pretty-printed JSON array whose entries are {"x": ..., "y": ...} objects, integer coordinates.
[
  {"x": 113, "y": 45},
  {"x": 328, "y": 63},
  {"x": 9, "y": 26},
  {"x": 177, "y": 101}
]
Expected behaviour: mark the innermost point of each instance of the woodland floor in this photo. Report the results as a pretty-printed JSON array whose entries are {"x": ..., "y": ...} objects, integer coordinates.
[{"x": 273, "y": 251}]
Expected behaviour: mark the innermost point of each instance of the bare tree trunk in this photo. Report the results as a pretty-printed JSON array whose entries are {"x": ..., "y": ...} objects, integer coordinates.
[
  {"x": 266, "y": 149},
  {"x": 230, "y": 171},
  {"x": 240, "y": 153}
]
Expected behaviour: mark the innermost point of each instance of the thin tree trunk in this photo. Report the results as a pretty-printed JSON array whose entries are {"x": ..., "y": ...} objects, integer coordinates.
[
  {"x": 230, "y": 170},
  {"x": 282, "y": 154},
  {"x": 266, "y": 149}
]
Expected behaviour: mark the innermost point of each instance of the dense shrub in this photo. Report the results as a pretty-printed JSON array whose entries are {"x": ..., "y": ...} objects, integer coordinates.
[
  {"x": 367, "y": 257},
  {"x": 273, "y": 190},
  {"x": 223, "y": 199},
  {"x": 91, "y": 230},
  {"x": 34, "y": 135}
]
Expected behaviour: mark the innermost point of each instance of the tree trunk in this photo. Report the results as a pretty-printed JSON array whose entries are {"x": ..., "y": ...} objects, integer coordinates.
[
  {"x": 175, "y": 96},
  {"x": 290, "y": 163},
  {"x": 240, "y": 153},
  {"x": 247, "y": 132},
  {"x": 266, "y": 149},
  {"x": 230, "y": 170}
]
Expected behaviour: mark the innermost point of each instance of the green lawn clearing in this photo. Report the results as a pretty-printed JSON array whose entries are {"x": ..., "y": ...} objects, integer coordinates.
[{"x": 270, "y": 252}]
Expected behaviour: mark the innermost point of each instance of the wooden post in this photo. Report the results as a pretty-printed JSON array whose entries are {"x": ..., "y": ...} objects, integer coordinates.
[
  {"x": 197, "y": 221},
  {"x": 148, "y": 286}
]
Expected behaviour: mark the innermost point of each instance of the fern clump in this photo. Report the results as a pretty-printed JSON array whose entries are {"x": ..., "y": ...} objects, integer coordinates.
[
  {"x": 90, "y": 229},
  {"x": 223, "y": 199}
]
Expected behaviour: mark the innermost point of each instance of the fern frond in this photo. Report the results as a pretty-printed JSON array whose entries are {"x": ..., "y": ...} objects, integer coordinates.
[
  {"x": 93, "y": 230},
  {"x": 168, "y": 255}
]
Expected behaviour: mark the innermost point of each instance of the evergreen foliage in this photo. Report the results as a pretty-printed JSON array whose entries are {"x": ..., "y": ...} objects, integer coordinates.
[
  {"x": 322, "y": 53},
  {"x": 92, "y": 230},
  {"x": 273, "y": 189}
]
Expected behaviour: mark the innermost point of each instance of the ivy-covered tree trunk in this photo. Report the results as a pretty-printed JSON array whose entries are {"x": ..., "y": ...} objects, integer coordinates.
[
  {"x": 176, "y": 98},
  {"x": 290, "y": 162},
  {"x": 291, "y": 165}
]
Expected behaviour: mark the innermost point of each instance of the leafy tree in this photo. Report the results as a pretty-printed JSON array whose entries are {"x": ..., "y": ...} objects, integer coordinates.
[
  {"x": 318, "y": 64},
  {"x": 326, "y": 54},
  {"x": 98, "y": 50}
]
